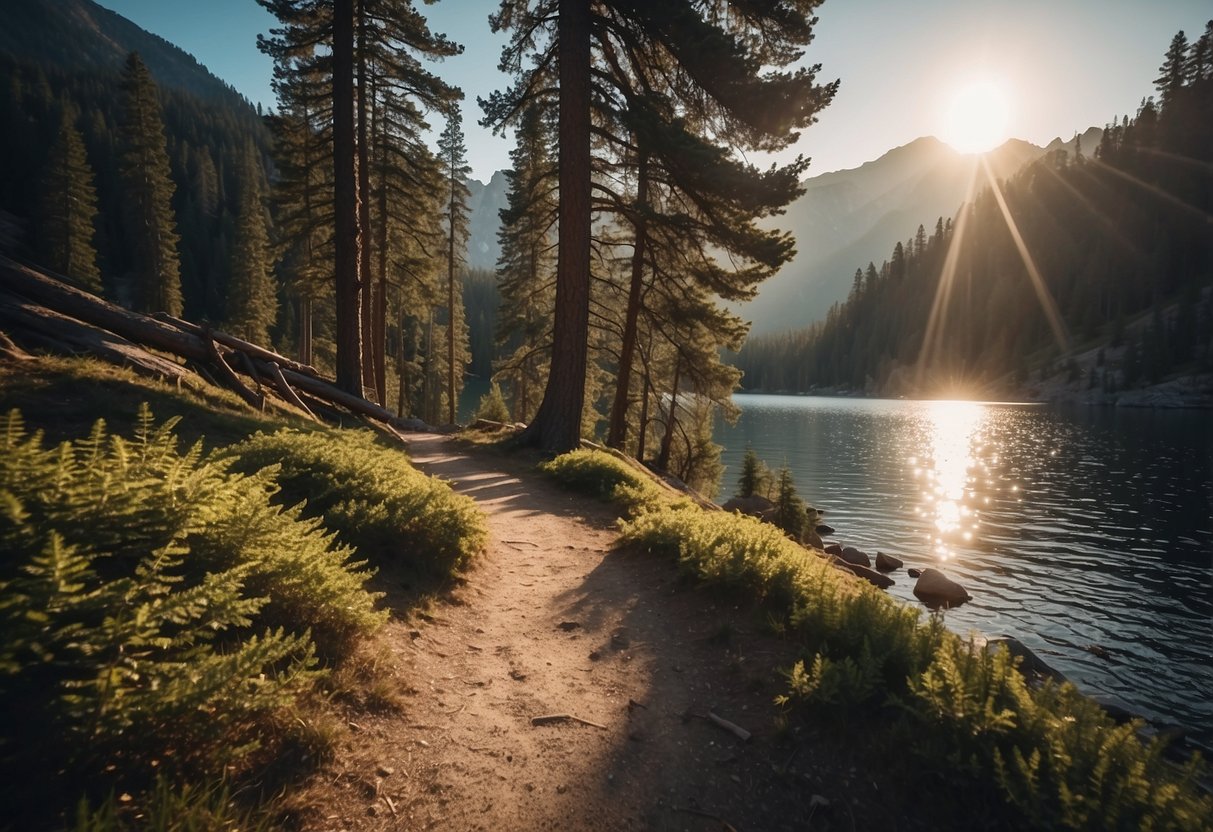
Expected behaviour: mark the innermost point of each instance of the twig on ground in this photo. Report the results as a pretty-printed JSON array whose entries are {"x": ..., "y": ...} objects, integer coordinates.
[
  {"x": 548, "y": 719},
  {"x": 741, "y": 733}
]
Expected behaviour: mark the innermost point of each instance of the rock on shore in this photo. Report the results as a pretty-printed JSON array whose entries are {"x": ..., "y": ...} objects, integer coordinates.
[{"x": 936, "y": 589}]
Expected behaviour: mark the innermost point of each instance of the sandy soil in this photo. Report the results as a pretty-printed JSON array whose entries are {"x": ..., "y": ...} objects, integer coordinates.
[{"x": 555, "y": 620}]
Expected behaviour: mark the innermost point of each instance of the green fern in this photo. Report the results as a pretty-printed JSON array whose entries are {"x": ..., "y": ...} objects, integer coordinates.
[{"x": 155, "y": 606}]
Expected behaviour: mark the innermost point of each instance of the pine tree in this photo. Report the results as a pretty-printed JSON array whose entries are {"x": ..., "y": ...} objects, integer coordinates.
[
  {"x": 790, "y": 512},
  {"x": 69, "y": 208},
  {"x": 452, "y": 154},
  {"x": 252, "y": 302},
  {"x": 147, "y": 194},
  {"x": 526, "y": 267},
  {"x": 711, "y": 53},
  {"x": 1173, "y": 72},
  {"x": 755, "y": 477}
]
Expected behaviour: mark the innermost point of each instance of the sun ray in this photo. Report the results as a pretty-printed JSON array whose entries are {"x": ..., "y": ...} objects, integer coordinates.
[
  {"x": 1047, "y": 304},
  {"x": 1154, "y": 190},
  {"x": 1114, "y": 234},
  {"x": 932, "y": 339}
]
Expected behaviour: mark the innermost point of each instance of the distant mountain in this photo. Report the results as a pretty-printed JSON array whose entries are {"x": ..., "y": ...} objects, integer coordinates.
[
  {"x": 847, "y": 218},
  {"x": 73, "y": 35},
  {"x": 485, "y": 204},
  {"x": 59, "y": 52}
]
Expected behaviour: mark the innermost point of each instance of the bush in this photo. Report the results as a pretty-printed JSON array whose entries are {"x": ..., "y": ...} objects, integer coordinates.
[
  {"x": 1052, "y": 754},
  {"x": 154, "y": 608},
  {"x": 605, "y": 477},
  {"x": 370, "y": 496},
  {"x": 492, "y": 406}
]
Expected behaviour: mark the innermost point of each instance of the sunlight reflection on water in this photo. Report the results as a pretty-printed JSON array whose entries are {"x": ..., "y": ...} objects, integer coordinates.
[{"x": 1070, "y": 529}]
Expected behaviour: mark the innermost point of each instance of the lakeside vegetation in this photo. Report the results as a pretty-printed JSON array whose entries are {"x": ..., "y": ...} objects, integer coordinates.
[
  {"x": 1011, "y": 755},
  {"x": 177, "y": 619}
]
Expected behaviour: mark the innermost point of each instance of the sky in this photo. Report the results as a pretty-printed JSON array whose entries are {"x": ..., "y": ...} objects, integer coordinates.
[{"x": 1060, "y": 65}]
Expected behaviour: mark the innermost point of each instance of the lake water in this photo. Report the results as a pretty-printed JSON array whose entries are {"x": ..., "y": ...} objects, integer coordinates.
[{"x": 1071, "y": 528}]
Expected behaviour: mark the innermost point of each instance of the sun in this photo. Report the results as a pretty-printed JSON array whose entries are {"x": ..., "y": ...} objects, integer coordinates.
[{"x": 977, "y": 117}]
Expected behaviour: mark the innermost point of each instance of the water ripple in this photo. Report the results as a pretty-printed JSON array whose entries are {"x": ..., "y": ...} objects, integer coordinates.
[{"x": 1070, "y": 528}]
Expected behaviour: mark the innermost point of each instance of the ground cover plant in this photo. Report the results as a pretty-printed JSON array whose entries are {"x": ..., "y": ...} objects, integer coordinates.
[
  {"x": 1010, "y": 755},
  {"x": 157, "y": 613},
  {"x": 371, "y": 497}
]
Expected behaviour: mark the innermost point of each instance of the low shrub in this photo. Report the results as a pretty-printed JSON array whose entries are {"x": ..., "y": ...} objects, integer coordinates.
[
  {"x": 605, "y": 477},
  {"x": 492, "y": 405},
  {"x": 155, "y": 609},
  {"x": 370, "y": 496},
  {"x": 1051, "y": 754}
]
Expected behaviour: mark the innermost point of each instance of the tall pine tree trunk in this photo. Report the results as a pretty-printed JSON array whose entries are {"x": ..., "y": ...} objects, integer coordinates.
[
  {"x": 667, "y": 440},
  {"x": 345, "y": 198},
  {"x": 646, "y": 391},
  {"x": 379, "y": 322},
  {"x": 617, "y": 434},
  {"x": 450, "y": 306},
  {"x": 305, "y": 329},
  {"x": 364, "y": 214},
  {"x": 557, "y": 424}
]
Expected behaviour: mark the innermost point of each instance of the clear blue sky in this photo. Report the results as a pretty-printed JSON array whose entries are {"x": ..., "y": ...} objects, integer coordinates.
[{"x": 1065, "y": 64}]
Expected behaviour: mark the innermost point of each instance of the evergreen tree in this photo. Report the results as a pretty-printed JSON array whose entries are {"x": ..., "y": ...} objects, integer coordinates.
[
  {"x": 1174, "y": 70},
  {"x": 790, "y": 514},
  {"x": 147, "y": 194},
  {"x": 711, "y": 56},
  {"x": 69, "y": 208},
  {"x": 452, "y": 154},
  {"x": 252, "y": 301},
  {"x": 526, "y": 267},
  {"x": 755, "y": 477}
]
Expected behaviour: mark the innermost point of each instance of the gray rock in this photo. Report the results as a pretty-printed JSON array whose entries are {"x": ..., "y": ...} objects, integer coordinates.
[
  {"x": 823, "y": 529},
  {"x": 887, "y": 563},
  {"x": 913, "y": 573},
  {"x": 869, "y": 575},
  {"x": 852, "y": 555},
  {"x": 936, "y": 589},
  {"x": 833, "y": 549}
]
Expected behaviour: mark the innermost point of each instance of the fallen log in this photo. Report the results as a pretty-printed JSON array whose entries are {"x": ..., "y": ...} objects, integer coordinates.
[
  {"x": 183, "y": 339},
  {"x": 37, "y": 326},
  {"x": 240, "y": 345},
  {"x": 287, "y": 392},
  {"x": 228, "y": 376},
  {"x": 90, "y": 309}
]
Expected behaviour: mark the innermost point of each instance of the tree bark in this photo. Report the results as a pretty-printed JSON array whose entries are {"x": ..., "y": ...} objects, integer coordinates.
[
  {"x": 379, "y": 323},
  {"x": 345, "y": 198},
  {"x": 367, "y": 297},
  {"x": 450, "y": 307},
  {"x": 617, "y": 433},
  {"x": 667, "y": 440},
  {"x": 557, "y": 424}
]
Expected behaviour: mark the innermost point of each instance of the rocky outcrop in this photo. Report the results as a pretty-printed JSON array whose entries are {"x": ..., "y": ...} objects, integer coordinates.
[
  {"x": 887, "y": 563},
  {"x": 936, "y": 589},
  {"x": 833, "y": 549}
]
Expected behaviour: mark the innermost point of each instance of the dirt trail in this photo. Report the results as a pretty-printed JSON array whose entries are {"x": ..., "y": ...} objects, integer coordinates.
[{"x": 554, "y": 620}]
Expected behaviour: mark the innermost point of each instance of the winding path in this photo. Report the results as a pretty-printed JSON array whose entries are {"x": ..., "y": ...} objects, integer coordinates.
[{"x": 553, "y": 620}]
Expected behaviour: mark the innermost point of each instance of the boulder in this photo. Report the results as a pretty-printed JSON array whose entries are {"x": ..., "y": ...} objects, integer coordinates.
[
  {"x": 852, "y": 555},
  {"x": 913, "y": 573},
  {"x": 753, "y": 505},
  {"x": 869, "y": 575},
  {"x": 823, "y": 529},
  {"x": 936, "y": 589},
  {"x": 811, "y": 538},
  {"x": 833, "y": 549},
  {"x": 887, "y": 563}
]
